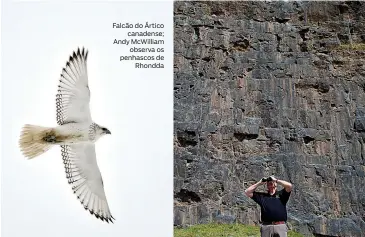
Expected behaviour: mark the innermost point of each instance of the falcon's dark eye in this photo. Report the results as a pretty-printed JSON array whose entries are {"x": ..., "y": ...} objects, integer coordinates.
[{"x": 104, "y": 129}]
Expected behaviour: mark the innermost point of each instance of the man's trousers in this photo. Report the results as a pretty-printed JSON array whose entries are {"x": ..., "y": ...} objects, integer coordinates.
[{"x": 274, "y": 230}]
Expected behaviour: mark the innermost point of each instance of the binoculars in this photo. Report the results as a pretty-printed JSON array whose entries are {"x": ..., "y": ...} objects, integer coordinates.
[{"x": 267, "y": 179}]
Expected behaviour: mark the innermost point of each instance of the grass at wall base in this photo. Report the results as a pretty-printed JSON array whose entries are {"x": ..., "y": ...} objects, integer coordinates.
[{"x": 223, "y": 230}]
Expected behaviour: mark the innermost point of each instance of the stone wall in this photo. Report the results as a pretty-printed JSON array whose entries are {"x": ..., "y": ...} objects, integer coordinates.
[{"x": 268, "y": 88}]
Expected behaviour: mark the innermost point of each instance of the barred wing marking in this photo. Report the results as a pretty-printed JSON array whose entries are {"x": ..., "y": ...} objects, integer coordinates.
[
  {"x": 83, "y": 173},
  {"x": 73, "y": 97}
]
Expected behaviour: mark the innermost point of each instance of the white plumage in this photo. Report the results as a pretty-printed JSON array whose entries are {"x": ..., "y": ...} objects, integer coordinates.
[{"x": 76, "y": 133}]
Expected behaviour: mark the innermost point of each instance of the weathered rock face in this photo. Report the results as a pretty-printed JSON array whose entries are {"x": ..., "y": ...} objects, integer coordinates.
[{"x": 264, "y": 88}]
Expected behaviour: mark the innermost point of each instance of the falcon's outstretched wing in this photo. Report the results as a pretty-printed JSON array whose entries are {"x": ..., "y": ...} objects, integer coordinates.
[
  {"x": 83, "y": 173},
  {"x": 73, "y": 97}
]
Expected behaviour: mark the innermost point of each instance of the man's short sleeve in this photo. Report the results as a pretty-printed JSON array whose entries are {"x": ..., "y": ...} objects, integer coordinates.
[
  {"x": 284, "y": 196},
  {"x": 257, "y": 197}
]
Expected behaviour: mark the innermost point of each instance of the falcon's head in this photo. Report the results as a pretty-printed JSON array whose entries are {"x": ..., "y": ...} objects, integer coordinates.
[{"x": 101, "y": 131}]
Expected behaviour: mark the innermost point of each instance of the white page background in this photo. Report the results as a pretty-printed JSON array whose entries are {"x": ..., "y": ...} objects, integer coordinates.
[{"x": 136, "y": 161}]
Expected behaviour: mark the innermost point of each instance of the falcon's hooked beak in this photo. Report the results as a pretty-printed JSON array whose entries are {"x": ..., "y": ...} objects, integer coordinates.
[{"x": 106, "y": 131}]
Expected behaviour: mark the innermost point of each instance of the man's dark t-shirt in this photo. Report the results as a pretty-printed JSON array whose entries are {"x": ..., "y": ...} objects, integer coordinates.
[{"x": 273, "y": 207}]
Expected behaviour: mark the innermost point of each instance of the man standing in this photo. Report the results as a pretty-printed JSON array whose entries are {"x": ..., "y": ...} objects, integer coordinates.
[{"x": 273, "y": 206}]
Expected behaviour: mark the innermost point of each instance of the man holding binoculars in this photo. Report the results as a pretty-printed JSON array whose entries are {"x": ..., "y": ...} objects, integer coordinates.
[{"x": 273, "y": 206}]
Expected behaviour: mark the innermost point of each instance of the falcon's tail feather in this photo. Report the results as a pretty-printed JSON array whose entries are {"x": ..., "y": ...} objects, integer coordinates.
[{"x": 32, "y": 142}]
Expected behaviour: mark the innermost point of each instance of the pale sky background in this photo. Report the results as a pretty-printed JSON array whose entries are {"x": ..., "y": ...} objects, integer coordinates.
[{"x": 136, "y": 161}]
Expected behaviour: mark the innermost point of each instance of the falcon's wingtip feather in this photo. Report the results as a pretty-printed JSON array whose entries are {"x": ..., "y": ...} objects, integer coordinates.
[
  {"x": 102, "y": 218},
  {"x": 105, "y": 219},
  {"x": 81, "y": 52}
]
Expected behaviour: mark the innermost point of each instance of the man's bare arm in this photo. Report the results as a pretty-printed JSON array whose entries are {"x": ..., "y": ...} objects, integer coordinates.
[{"x": 249, "y": 191}]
